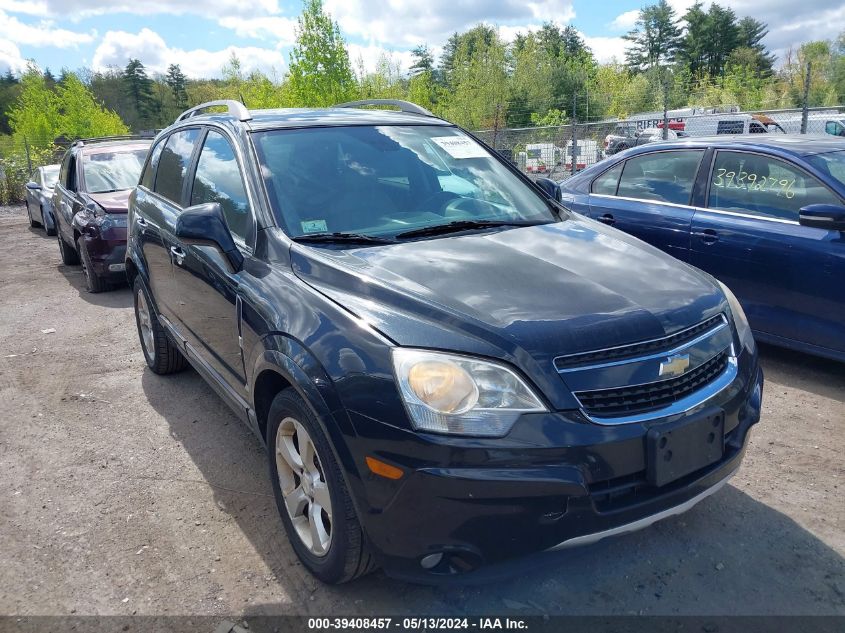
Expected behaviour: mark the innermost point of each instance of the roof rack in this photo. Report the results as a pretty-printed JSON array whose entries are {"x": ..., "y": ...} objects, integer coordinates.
[
  {"x": 234, "y": 108},
  {"x": 116, "y": 137},
  {"x": 404, "y": 106}
]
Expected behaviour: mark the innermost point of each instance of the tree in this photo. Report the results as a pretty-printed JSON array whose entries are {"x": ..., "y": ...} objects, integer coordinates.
[
  {"x": 655, "y": 38},
  {"x": 35, "y": 114},
  {"x": 722, "y": 37},
  {"x": 750, "y": 34},
  {"x": 139, "y": 88},
  {"x": 177, "y": 82},
  {"x": 423, "y": 61},
  {"x": 320, "y": 73},
  {"x": 80, "y": 116},
  {"x": 692, "y": 51}
]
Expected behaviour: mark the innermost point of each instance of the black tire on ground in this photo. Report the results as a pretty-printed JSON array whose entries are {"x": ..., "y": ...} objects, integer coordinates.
[
  {"x": 50, "y": 231},
  {"x": 163, "y": 357},
  {"x": 32, "y": 222},
  {"x": 93, "y": 282},
  {"x": 69, "y": 255},
  {"x": 348, "y": 556}
]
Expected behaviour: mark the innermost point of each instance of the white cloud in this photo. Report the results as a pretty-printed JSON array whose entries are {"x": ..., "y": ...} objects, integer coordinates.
[
  {"x": 10, "y": 58},
  {"x": 606, "y": 49},
  {"x": 404, "y": 24},
  {"x": 76, "y": 9},
  {"x": 148, "y": 46},
  {"x": 625, "y": 21},
  {"x": 280, "y": 30},
  {"x": 42, "y": 34}
]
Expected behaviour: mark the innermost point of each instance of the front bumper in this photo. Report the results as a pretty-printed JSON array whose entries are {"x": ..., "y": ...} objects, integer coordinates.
[
  {"x": 107, "y": 249},
  {"x": 555, "y": 481}
]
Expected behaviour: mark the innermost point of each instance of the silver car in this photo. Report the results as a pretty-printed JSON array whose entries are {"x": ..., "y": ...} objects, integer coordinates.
[{"x": 39, "y": 192}]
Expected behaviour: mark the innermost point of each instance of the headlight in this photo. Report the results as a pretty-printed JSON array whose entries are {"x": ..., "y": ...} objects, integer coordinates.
[
  {"x": 743, "y": 330},
  {"x": 446, "y": 393}
]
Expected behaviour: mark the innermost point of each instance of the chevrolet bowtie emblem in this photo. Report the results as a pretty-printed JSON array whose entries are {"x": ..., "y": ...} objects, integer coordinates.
[{"x": 675, "y": 365}]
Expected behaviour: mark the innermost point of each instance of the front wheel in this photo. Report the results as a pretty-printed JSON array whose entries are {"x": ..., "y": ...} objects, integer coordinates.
[
  {"x": 51, "y": 231},
  {"x": 32, "y": 223},
  {"x": 311, "y": 495},
  {"x": 93, "y": 282},
  {"x": 69, "y": 255}
]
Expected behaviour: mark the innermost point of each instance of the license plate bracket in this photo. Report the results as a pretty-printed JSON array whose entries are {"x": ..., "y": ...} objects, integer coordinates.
[{"x": 682, "y": 447}]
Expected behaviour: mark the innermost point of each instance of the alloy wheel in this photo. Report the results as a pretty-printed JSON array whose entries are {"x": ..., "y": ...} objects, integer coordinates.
[
  {"x": 303, "y": 485},
  {"x": 145, "y": 325}
]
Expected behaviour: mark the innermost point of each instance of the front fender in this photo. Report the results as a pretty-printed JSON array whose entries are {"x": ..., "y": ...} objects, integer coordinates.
[{"x": 318, "y": 392}]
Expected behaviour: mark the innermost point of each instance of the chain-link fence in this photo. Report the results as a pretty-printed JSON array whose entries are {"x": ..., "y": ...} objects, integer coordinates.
[
  {"x": 19, "y": 157},
  {"x": 547, "y": 151}
]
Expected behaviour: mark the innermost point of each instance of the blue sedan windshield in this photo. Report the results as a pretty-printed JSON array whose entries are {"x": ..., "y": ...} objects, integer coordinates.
[{"x": 381, "y": 181}]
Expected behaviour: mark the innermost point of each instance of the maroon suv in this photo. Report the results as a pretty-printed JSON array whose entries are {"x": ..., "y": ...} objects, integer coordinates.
[{"x": 90, "y": 202}]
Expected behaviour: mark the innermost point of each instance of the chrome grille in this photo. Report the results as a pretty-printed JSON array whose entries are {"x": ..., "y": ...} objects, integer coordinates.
[
  {"x": 643, "y": 348},
  {"x": 632, "y": 399}
]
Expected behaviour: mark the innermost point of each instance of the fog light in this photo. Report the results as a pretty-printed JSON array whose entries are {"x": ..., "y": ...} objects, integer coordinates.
[
  {"x": 431, "y": 561},
  {"x": 116, "y": 268}
]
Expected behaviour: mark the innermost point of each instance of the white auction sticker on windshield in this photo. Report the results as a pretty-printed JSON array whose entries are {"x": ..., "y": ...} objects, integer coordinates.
[{"x": 460, "y": 146}]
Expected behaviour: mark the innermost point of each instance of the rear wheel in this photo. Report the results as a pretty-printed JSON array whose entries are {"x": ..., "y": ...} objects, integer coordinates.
[
  {"x": 93, "y": 282},
  {"x": 161, "y": 354},
  {"x": 69, "y": 255},
  {"x": 311, "y": 495}
]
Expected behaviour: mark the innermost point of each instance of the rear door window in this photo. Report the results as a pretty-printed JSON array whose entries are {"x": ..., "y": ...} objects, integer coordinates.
[
  {"x": 765, "y": 186},
  {"x": 661, "y": 176},
  {"x": 730, "y": 127},
  {"x": 173, "y": 164}
]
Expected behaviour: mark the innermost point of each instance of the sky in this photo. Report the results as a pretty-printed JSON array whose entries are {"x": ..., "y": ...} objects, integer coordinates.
[{"x": 201, "y": 35}]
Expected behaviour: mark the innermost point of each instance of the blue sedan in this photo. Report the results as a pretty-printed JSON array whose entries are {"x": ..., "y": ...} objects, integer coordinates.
[{"x": 766, "y": 216}]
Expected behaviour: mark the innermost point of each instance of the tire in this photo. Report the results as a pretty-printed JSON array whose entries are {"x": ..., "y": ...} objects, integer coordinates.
[
  {"x": 32, "y": 223},
  {"x": 69, "y": 255},
  {"x": 93, "y": 282},
  {"x": 344, "y": 556},
  {"x": 50, "y": 231},
  {"x": 161, "y": 354}
]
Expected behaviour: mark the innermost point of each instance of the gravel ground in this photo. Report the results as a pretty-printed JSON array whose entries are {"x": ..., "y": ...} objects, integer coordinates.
[{"x": 124, "y": 492}]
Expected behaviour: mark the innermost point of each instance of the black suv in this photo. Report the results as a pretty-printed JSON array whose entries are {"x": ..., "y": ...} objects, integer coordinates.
[
  {"x": 447, "y": 367},
  {"x": 90, "y": 202}
]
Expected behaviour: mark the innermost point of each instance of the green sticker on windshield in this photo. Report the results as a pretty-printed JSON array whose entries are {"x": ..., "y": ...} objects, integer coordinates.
[{"x": 314, "y": 226}]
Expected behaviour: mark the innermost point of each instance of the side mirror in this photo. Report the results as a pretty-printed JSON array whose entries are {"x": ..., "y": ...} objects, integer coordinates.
[
  {"x": 205, "y": 224},
  {"x": 549, "y": 187},
  {"x": 823, "y": 216},
  {"x": 33, "y": 186}
]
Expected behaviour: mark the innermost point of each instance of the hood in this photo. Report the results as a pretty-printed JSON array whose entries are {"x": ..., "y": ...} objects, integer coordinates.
[
  {"x": 544, "y": 290},
  {"x": 112, "y": 201}
]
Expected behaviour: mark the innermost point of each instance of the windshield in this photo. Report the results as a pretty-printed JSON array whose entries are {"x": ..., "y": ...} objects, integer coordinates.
[
  {"x": 832, "y": 163},
  {"x": 381, "y": 181},
  {"x": 113, "y": 171},
  {"x": 50, "y": 175}
]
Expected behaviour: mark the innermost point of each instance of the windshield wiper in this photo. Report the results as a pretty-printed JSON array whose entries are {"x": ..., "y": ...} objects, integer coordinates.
[
  {"x": 460, "y": 225},
  {"x": 354, "y": 238}
]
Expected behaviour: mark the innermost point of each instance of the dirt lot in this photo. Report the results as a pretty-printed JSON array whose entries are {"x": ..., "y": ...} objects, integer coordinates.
[{"x": 124, "y": 492}]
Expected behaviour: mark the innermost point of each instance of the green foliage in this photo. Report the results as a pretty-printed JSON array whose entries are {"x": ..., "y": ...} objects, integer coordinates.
[
  {"x": 177, "y": 82},
  {"x": 423, "y": 61},
  {"x": 139, "y": 89},
  {"x": 36, "y": 112},
  {"x": 80, "y": 116},
  {"x": 320, "y": 73},
  {"x": 655, "y": 39}
]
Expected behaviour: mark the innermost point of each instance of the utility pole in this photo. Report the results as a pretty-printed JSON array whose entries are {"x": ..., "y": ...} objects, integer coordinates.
[
  {"x": 805, "y": 110},
  {"x": 573, "y": 154},
  {"x": 28, "y": 158},
  {"x": 665, "y": 107}
]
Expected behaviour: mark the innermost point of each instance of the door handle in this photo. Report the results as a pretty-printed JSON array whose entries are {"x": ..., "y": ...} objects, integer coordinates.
[
  {"x": 608, "y": 219},
  {"x": 178, "y": 254},
  {"x": 709, "y": 236},
  {"x": 141, "y": 221}
]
